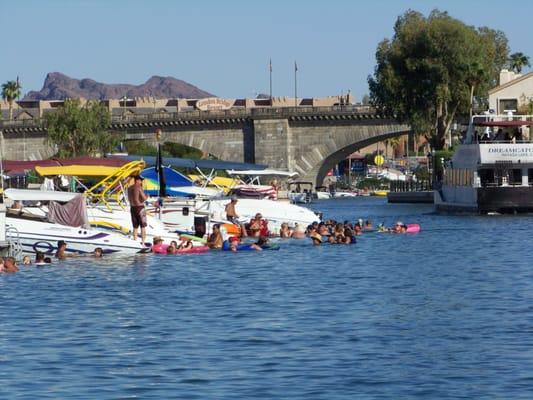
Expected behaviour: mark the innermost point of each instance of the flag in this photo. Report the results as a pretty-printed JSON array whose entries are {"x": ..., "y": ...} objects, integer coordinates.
[
  {"x": 270, "y": 65},
  {"x": 295, "y": 67},
  {"x": 161, "y": 173}
]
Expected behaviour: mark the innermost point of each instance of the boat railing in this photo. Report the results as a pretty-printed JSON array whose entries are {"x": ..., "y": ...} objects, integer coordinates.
[
  {"x": 505, "y": 141},
  {"x": 410, "y": 186}
]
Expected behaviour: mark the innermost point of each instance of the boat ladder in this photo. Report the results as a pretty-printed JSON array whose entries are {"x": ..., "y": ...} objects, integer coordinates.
[{"x": 13, "y": 239}]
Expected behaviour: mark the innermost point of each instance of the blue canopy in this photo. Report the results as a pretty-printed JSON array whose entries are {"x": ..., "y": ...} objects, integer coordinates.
[{"x": 174, "y": 180}]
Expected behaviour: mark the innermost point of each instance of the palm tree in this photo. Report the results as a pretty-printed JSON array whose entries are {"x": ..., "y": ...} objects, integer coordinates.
[
  {"x": 10, "y": 92},
  {"x": 386, "y": 143},
  {"x": 394, "y": 142},
  {"x": 517, "y": 61}
]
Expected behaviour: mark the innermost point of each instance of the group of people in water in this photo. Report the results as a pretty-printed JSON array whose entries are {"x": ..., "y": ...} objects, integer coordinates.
[
  {"x": 173, "y": 247},
  {"x": 9, "y": 264},
  {"x": 329, "y": 231},
  {"x": 334, "y": 232}
]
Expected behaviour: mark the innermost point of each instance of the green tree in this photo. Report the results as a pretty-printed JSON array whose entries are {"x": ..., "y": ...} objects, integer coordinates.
[
  {"x": 11, "y": 92},
  {"x": 517, "y": 61},
  {"x": 168, "y": 149},
  {"x": 432, "y": 69},
  {"x": 79, "y": 130}
]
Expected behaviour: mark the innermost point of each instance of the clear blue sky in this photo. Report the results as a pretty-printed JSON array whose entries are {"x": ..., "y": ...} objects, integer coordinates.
[{"x": 223, "y": 46}]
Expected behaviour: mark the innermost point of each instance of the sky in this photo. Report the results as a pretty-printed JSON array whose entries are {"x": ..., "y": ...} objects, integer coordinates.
[{"x": 223, "y": 47}]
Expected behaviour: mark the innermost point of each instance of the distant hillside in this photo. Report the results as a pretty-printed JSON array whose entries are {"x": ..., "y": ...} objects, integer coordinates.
[{"x": 58, "y": 87}]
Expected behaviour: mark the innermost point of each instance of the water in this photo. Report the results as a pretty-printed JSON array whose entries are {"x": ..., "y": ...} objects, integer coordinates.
[{"x": 447, "y": 313}]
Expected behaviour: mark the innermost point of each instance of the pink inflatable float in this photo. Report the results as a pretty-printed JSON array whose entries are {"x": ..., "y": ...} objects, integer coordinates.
[
  {"x": 194, "y": 250},
  {"x": 162, "y": 249},
  {"x": 413, "y": 228}
]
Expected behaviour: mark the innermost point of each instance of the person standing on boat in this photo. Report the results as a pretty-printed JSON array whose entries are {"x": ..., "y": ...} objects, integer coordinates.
[
  {"x": 136, "y": 197},
  {"x": 233, "y": 217}
]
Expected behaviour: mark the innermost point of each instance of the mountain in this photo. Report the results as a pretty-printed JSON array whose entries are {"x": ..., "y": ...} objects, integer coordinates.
[{"x": 58, "y": 86}]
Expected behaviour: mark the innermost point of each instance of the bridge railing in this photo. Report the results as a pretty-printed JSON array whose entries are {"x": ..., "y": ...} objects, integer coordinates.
[{"x": 256, "y": 112}]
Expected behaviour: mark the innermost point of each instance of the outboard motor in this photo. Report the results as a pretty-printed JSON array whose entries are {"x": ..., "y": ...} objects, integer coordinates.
[{"x": 199, "y": 226}]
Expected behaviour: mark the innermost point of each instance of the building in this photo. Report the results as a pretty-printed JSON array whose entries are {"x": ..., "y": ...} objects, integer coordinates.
[{"x": 513, "y": 92}]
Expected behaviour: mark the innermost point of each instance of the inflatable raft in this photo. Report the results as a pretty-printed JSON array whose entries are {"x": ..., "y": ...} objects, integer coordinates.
[
  {"x": 412, "y": 228},
  {"x": 162, "y": 249}
]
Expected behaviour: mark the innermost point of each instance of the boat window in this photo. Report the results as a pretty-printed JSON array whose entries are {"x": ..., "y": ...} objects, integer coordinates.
[
  {"x": 515, "y": 176},
  {"x": 530, "y": 176}
]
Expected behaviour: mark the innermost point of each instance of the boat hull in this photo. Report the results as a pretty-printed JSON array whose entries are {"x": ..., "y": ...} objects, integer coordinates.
[
  {"x": 323, "y": 195},
  {"x": 503, "y": 200},
  {"x": 43, "y": 236}
]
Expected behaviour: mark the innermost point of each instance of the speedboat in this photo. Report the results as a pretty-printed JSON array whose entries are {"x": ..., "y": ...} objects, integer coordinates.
[
  {"x": 300, "y": 192},
  {"x": 110, "y": 211},
  {"x": 321, "y": 195},
  {"x": 275, "y": 212},
  {"x": 253, "y": 187},
  {"x": 40, "y": 228},
  {"x": 492, "y": 170},
  {"x": 341, "y": 194}
]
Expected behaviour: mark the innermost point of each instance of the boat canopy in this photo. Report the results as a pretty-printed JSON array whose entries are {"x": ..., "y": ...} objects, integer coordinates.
[
  {"x": 504, "y": 124},
  {"x": 21, "y": 166},
  {"x": 174, "y": 181},
  {"x": 38, "y": 195},
  {"x": 264, "y": 172},
  {"x": 76, "y": 170},
  {"x": 219, "y": 182},
  {"x": 193, "y": 164}
]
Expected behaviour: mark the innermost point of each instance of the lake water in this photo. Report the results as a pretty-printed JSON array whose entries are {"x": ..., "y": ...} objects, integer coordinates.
[{"x": 446, "y": 313}]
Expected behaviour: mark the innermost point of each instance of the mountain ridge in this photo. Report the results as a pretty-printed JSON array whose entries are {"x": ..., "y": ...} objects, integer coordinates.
[{"x": 58, "y": 86}]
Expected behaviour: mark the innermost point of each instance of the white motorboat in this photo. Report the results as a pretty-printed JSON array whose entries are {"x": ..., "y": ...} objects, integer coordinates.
[
  {"x": 320, "y": 195},
  {"x": 254, "y": 188},
  {"x": 341, "y": 194},
  {"x": 492, "y": 171},
  {"x": 180, "y": 216},
  {"x": 110, "y": 211},
  {"x": 276, "y": 212},
  {"x": 40, "y": 232},
  {"x": 300, "y": 192},
  {"x": 112, "y": 218}
]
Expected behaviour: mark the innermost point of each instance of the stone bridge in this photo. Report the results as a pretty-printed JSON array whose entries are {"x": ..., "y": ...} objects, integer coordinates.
[{"x": 308, "y": 140}]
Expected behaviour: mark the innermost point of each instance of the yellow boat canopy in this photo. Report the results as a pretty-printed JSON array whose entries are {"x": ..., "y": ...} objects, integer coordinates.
[
  {"x": 77, "y": 170},
  {"x": 226, "y": 184},
  {"x": 113, "y": 182}
]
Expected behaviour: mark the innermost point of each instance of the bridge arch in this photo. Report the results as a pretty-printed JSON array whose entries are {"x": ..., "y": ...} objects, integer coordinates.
[
  {"x": 313, "y": 160},
  {"x": 341, "y": 154}
]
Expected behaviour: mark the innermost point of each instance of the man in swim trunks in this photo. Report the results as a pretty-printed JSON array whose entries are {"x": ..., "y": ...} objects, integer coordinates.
[
  {"x": 233, "y": 217},
  {"x": 136, "y": 197}
]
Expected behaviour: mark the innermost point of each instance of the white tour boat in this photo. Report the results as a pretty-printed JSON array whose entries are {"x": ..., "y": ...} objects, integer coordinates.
[{"x": 492, "y": 170}]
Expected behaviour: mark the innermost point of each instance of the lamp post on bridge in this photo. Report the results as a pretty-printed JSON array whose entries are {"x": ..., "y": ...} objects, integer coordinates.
[{"x": 124, "y": 98}]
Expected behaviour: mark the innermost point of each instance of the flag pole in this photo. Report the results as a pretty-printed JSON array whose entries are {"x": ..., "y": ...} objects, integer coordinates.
[
  {"x": 295, "y": 85},
  {"x": 270, "y": 68}
]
